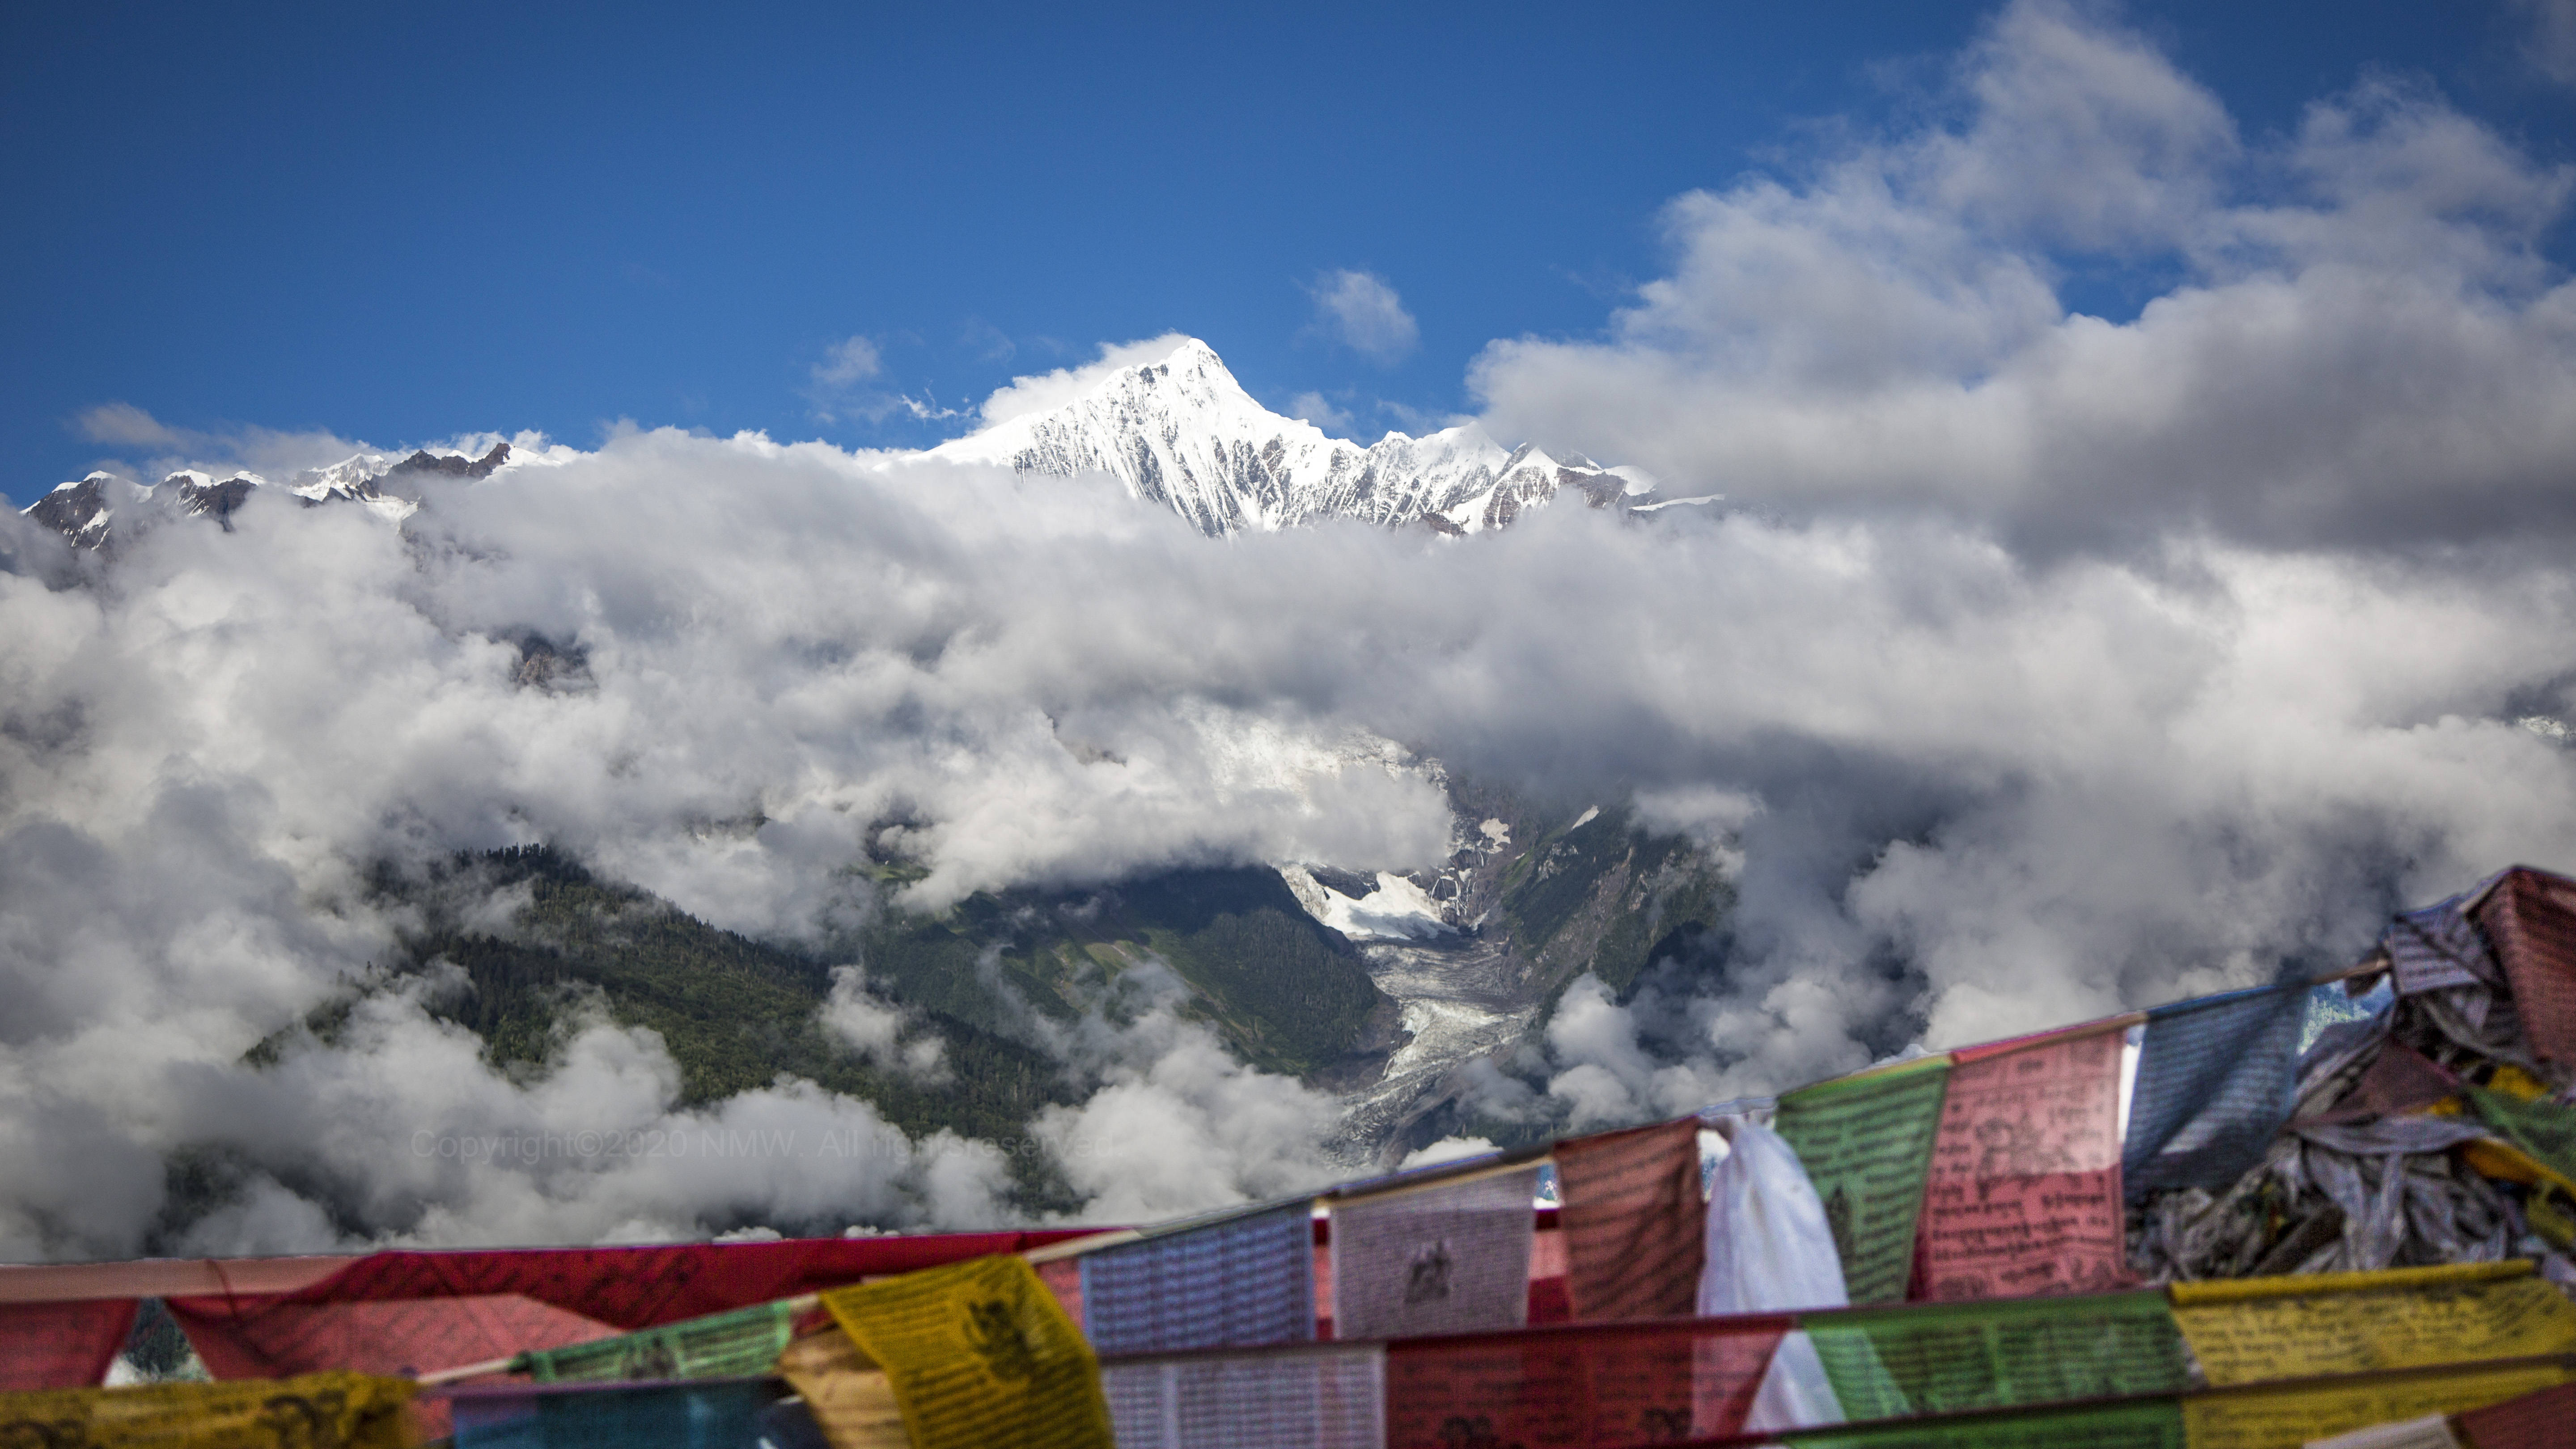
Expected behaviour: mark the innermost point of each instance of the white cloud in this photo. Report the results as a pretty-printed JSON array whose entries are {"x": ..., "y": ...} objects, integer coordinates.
[
  {"x": 990, "y": 343},
  {"x": 125, "y": 425},
  {"x": 873, "y": 1027},
  {"x": 1447, "y": 1149},
  {"x": 152, "y": 449},
  {"x": 1964, "y": 789},
  {"x": 2364, "y": 344},
  {"x": 1042, "y": 391},
  {"x": 1362, "y": 312},
  {"x": 1177, "y": 1125},
  {"x": 1318, "y": 409},
  {"x": 840, "y": 385},
  {"x": 853, "y": 360},
  {"x": 2551, "y": 42}
]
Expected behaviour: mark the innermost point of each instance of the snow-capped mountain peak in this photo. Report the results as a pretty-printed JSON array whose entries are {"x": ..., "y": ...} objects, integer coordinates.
[{"x": 1181, "y": 432}]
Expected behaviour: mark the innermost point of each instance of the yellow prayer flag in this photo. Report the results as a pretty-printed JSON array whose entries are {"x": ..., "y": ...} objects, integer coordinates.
[
  {"x": 2504, "y": 1161},
  {"x": 851, "y": 1399},
  {"x": 980, "y": 1356},
  {"x": 2518, "y": 1084},
  {"x": 2337, "y": 1323},
  {"x": 2229, "y": 1290},
  {"x": 344, "y": 1409},
  {"x": 2286, "y": 1418}
]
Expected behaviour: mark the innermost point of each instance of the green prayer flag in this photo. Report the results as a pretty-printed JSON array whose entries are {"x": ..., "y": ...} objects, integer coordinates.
[
  {"x": 2144, "y": 1424},
  {"x": 2543, "y": 1130},
  {"x": 2000, "y": 1353},
  {"x": 745, "y": 1342},
  {"x": 1866, "y": 1143}
]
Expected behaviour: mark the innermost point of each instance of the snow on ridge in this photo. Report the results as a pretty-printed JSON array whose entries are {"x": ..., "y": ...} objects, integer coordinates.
[
  {"x": 1395, "y": 909},
  {"x": 1180, "y": 431},
  {"x": 1176, "y": 430},
  {"x": 384, "y": 484}
]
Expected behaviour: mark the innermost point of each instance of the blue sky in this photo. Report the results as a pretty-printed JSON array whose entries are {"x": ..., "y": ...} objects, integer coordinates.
[{"x": 402, "y": 222}]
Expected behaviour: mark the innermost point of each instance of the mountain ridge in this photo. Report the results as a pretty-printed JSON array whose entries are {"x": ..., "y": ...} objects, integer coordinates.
[
  {"x": 84, "y": 510},
  {"x": 1179, "y": 433}
]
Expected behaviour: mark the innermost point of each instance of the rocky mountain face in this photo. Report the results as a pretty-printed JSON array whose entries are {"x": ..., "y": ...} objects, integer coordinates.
[
  {"x": 1476, "y": 951},
  {"x": 99, "y": 512},
  {"x": 1182, "y": 433}
]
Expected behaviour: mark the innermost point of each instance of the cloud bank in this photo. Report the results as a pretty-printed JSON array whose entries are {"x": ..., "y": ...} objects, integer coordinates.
[
  {"x": 2363, "y": 346},
  {"x": 2052, "y": 665}
]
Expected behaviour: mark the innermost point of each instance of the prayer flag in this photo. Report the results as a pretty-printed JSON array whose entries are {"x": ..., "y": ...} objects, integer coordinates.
[
  {"x": 2440, "y": 946},
  {"x": 2274, "y": 1418},
  {"x": 2531, "y": 917},
  {"x": 350, "y": 1411},
  {"x": 703, "y": 1414},
  {"x": 397, "y": 1336},
  {"x": 620, "y": 1289},
  {"x": 1633, "y": 1221},
  {"x": 2433, "y": 1431},
  {"x": 1627, "y": 1383},
  {"x": 2248, "y": 1331},
  {"x": 1767, "y": 1242},
  {"x": 2023, "y": 1196},
  {"x": 2400, "y": 1079},
  {"x": 1447, "y": 1257},
  {"x": 2543, "y": 1131},
  {"x": 1063, "y": 1278},
  {"x": 980, "y": 1354},
  {"x": 2215, "y": 1081},
  {"x": 2150, "y": 1424},
  {"x": 789, "y": 1424},
  {"x": 1242, "y": 1281},
  {"x": 849, "y": 1397},
  {"x": 1866, "y": 1142},
  {"x": 1325, "y": 1397},
  {"x": 62, "y": 1345},
  {"x": 2542, "y": 1420},
  {"x": 723, "y": 1345},
  {"x": 1769, "y": 1248},
  {"x": 1892, "y": 1362}
]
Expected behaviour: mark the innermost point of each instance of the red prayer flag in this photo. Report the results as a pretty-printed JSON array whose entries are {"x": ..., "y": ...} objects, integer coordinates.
[
  {"x": 1635, "y": 1225},
  {"x": 424, "y": 1311},
  {"x": 2023, "y": 1196},
  {"x": 2530, "y": 915},
  {"x": 1063, "y": 1278},
  {"x": 2400, "y": 1079},
  {"x": 398, "y": 1336},
  {"x": 1580, "y": 1385},
  {"x": 2534, "y": 1421},
  {"x": 631, "y": 1288},
  {"x": 61, "y": 1345}
]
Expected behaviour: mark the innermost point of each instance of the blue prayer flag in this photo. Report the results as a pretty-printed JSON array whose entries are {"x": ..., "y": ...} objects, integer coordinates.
[
  {"x": 2214, "y": 1083},
  {"x": 1237, "y": 1283},
  {"x": 699, "y": 1414}
]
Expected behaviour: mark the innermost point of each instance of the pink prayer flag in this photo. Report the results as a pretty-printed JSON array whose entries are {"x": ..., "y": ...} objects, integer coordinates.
[
  {"x": 61, "y": 1345},
  {"x": 2023, "y": 1196}
]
